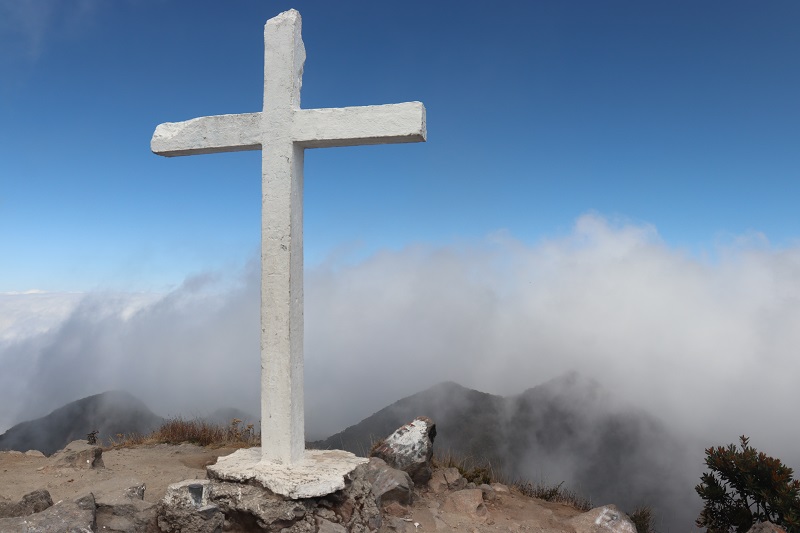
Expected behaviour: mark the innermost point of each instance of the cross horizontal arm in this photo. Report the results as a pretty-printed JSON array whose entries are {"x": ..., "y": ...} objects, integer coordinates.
[
  {"x": 352, "y": 126},
  {"x": 208, "y": 135}
]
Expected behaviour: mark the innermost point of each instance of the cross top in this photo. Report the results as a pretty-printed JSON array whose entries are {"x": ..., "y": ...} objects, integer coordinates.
[{"x": 282, "y": 131}]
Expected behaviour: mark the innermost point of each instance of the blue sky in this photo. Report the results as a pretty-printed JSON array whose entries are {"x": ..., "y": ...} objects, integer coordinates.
[
  {"x": 682, "y": 115},
  {"x": 608, "y": 187}
]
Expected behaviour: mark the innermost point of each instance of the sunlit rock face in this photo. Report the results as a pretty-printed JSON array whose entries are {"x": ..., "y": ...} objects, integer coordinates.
[{"x": 410, "y": 449}]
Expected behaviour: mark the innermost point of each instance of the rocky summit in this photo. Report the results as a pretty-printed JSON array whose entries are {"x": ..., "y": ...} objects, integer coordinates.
[{"x": 164, "y": 488}]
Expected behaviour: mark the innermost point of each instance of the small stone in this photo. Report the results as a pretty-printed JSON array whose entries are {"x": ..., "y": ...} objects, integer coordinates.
[
  {"x": 326, "y": 526},
  {"x": 327, "y": 514},
  {"x": 395, "y": 509},
  {"x": 437, "y": 483},
  {"x": 455, "y": 481},
  {"x": 467, "y": 501},
  {"x": 499, "y": 487},
  {"x": 489, "y": 494},
  {"x": 78, "y": 454},
  {"x": 135, "y": 492},
  {"x": 607, "y": 517}
]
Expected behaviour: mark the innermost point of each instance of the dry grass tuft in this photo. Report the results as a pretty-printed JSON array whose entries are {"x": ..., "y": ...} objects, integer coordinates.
[
  {"x": 200, "y": 432},
  {"x": 473, "y": 470},
  {"x": 642, "y": 517},
  {"x": 482, "y": 471},
  {"x": 554, "y": 493}
]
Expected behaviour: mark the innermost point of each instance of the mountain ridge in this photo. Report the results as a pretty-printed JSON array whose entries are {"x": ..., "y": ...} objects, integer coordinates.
[
  {"x": 568, "y": 429},
  {"x": 110, "y": 412}
]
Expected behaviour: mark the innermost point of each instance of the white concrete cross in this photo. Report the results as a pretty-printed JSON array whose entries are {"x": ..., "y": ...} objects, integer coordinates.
[{"x": 282, "y": 131}]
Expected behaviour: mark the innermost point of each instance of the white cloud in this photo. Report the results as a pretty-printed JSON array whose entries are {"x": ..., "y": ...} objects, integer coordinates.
[{"x": 709, "y": 346}]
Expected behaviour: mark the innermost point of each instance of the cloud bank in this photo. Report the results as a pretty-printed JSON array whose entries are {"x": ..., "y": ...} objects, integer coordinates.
[{"x": 709, "y": 346}]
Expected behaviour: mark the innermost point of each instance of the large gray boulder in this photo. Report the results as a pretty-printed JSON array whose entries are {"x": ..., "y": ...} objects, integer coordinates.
[
  {"x": 410, "y": 448},
  {"x": 76, "y": 516}
]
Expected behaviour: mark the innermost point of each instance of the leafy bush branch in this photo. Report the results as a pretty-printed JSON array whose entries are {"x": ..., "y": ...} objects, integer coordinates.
[{"x": 746, "y": 486}]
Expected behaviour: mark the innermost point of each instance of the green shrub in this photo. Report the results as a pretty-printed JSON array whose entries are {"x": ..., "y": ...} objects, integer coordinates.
[{"x": 751, "y": 487}]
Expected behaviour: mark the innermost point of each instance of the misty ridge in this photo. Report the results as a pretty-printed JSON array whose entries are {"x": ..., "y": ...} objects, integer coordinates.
[
  {"x": 705, "y": 345},
  {"x": 568, "y": 430}
]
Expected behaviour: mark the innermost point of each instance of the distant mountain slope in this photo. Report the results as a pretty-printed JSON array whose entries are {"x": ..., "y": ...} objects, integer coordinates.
[
  {"x": 110, "y": 412},
  {"x": 467, "y": 421},
  {"x": 568, "y": 429}
]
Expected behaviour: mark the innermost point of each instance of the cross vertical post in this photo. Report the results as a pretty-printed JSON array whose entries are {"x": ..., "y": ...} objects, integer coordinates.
[{"x": 282, "y": 415}]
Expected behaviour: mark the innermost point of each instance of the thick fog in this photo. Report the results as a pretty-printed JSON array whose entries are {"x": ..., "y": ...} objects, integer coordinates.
[{"x": 708, "y": 344}]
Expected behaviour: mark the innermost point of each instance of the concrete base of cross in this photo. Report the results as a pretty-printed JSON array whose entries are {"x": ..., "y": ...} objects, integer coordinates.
[{"x": 319, "y": 473}]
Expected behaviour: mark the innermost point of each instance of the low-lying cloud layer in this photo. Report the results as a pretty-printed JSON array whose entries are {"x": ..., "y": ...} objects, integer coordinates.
[{"x": 708, "y": 346}]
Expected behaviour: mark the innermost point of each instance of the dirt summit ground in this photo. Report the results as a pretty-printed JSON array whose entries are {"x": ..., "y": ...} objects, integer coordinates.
[{"x": 157, "y": 466}]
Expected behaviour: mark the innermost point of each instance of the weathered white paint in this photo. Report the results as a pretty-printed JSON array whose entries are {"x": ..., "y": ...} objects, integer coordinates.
[
  {"x": 320, "y": 472},
  {"x": 283, "y": 131}
]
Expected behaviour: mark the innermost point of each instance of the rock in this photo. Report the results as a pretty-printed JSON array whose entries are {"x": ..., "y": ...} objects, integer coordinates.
[
  {"x": 33, "y": 502},
  {"x": 253, "y": 508},
  {"x": 395, "y": 509},
  {"x": 263, "y": 507},
  {"x": 78, "y": 454},
  {"x": 399, "y": 525},
  {"x": 454, "y": 479},
  {"x": 76, "y": 516},
  {"x": 437, "y": 483},
  {"x": 603, "y": 519},
  {"x": 410, "y": 449},
  {"x": 179, "y": 509},
  {"x": 389, "y": 484},
  {"x": 445, "y": 479},
  {"x": 34, "y": 453},
  {"x": 466, "y": 501},
  {"x": 499, "y": 488},
  {"x": 766, "y": 527},
  {"x": 125, "y": 511},
  {"x": 136, "y": 491},
  {"x": 326, "y": 526},
  {"x": 489, "y": 494}
]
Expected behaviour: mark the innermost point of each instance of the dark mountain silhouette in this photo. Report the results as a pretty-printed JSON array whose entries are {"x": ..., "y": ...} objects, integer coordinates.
[
  {"x": 568, "y": 429},
  {"x": 110, "y": 413},
  {"x": 467, "y": 421}
]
